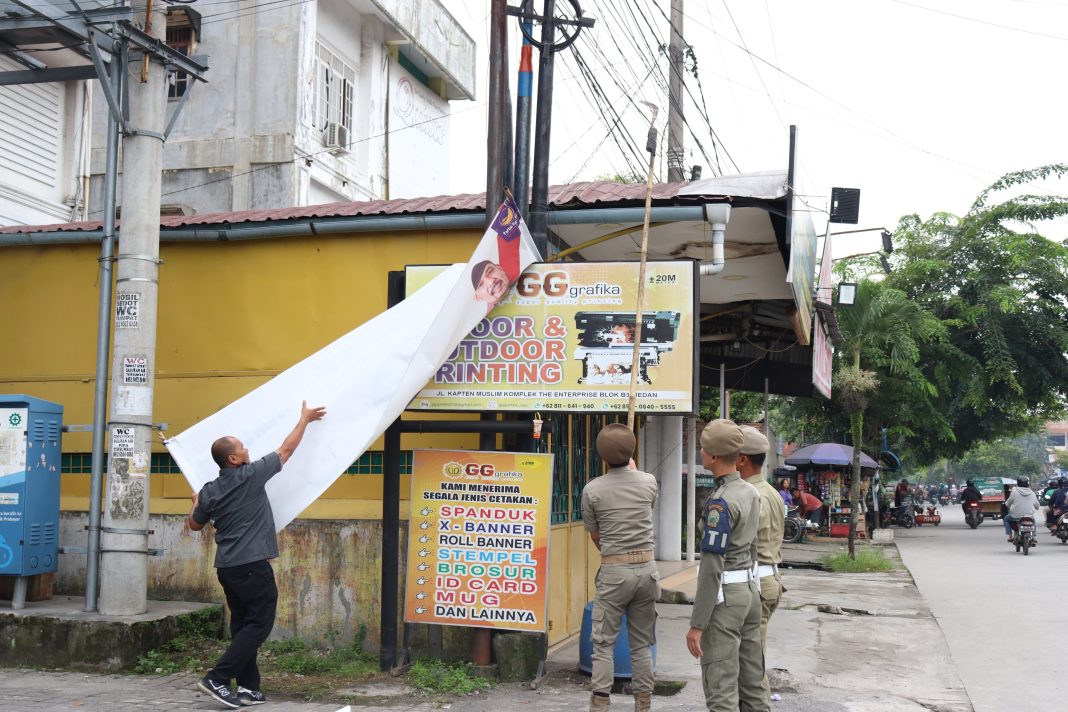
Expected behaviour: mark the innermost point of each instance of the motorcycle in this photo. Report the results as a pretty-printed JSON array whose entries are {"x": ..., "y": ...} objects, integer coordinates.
[
  {"x": 902, "y": 516},
  {"x": 794, "y": 529},
  {"x": 1023, "y": 534},
  {"x": 1061, "y": 529},
  {"x": 973, "y": 514},
  {"x": 943, "y": 500}
]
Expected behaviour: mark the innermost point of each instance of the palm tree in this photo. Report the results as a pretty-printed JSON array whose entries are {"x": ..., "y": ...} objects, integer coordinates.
[{"x": 885, "y": 327}]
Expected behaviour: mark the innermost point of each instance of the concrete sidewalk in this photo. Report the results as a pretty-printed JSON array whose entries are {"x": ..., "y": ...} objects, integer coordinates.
[{"x": 839, "y": 642}]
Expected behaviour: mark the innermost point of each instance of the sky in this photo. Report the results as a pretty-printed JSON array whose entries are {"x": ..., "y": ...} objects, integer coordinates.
[{"x": 920, "y": 104}]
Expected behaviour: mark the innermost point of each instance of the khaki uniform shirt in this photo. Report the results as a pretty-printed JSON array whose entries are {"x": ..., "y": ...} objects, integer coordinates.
[
  {"x": 772, "y": 521},
  {"x": 619, "y": 505},
  {"x": 743, "y": 506}
]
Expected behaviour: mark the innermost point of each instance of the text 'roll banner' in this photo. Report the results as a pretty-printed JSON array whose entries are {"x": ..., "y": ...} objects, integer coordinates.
[
  {"x": 478, "y": 539},
  {"x": 365, "y": 379},
  {"x": 563, "y": 340}
]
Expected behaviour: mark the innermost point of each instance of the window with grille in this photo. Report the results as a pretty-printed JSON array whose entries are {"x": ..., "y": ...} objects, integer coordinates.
[
  {"x": 335, "y": 88},
  {"x": 179, "y": 38}
]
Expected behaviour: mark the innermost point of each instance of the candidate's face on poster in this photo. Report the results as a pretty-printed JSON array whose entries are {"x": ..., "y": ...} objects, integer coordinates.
[{"x": 492, "y": 286}]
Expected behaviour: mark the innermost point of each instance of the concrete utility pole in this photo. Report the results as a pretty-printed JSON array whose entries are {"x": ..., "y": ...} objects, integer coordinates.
[
  {"x": 675, "y": 152},
  {"x": 124, "y": 534}
]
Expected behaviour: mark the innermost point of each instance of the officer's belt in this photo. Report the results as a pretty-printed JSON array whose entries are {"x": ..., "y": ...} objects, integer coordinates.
[
  {"x": 738, "y": 576},
  {"x": 631, "y": 557},
  {"x": 764, "y": 570}
]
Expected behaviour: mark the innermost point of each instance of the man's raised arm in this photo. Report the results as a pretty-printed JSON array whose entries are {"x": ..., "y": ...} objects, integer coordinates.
[{"x": 307, "y": 415}]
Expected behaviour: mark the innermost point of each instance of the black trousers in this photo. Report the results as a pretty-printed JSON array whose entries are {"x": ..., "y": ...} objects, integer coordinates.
[{"x": 252, "y": 596}]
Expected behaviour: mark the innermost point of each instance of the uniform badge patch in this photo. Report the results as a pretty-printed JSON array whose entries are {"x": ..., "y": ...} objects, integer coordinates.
[{"x": 717, "y": 534}]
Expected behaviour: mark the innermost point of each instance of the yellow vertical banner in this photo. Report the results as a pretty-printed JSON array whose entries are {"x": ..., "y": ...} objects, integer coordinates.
[{"x": 478, "y": 539}]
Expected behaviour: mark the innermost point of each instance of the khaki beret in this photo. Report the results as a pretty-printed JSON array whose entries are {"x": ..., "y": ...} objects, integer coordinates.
[
  {"x": 721, "y": 437},
  {"x": 615, "y": 444},
  {"x": 753, "y": 441}
]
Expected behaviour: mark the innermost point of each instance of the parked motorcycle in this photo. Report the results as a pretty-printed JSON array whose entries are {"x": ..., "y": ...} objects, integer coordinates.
[
  {"x": 902, "y": 516},
  {"x": 973, "y": 514},
  {"x": 794, "y": 529},
  {"x": 1023, "y": 534}
]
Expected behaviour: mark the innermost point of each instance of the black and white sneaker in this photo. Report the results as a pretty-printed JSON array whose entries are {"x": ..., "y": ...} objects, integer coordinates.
[
  {"x": 249, "y": 697},
  {"x": 222, "y": 693}
]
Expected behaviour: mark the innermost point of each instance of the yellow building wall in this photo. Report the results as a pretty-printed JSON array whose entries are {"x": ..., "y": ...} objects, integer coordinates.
[{"x": 231, "y": 316}]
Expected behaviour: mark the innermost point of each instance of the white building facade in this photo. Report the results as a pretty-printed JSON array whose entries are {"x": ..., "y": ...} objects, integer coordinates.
[
  {"x": 309, "y": 103},
  {"x": 43, "y": 150}
]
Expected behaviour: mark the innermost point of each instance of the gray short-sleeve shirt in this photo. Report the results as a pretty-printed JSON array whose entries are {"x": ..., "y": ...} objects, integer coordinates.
[
  {"x": 237, "y": 503},
  {"x": 619, "y": 505}
]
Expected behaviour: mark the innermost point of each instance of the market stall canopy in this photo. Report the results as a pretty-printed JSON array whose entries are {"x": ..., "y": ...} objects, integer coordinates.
[{"x": 827, "y": 454}]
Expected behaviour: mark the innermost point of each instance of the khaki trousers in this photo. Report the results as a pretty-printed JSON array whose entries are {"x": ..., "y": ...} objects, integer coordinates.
[
  {"x": 770, "y": 595},
  {"x": 732, "y": 666},
  {"x": 631, "y": 589}
]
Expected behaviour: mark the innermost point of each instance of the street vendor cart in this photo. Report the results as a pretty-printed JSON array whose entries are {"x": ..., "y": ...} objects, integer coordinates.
[{"x": 993, "y": 491}]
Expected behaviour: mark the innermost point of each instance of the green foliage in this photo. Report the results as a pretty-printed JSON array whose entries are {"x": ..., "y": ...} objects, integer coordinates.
[
  {"x": 159, "y": 662},
  {"x": 868, "y": 559},
  {"x": 1060, "y": 459},
  {"x": 999, "y": 290},
  {"x": 434, "y": 676},
  {"x": 300, "y": 658}
]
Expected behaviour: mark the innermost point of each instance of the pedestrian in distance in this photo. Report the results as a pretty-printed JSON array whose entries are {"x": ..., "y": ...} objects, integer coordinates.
[
  {"x": 808, "y": 506},
  {"x": 245, "y": 538},
  {"x": 770, "y": 531},
  {"x": 617, "y": 509},
  {"x": 784, "y": 492},
  {"x": 725, "y": 623}
]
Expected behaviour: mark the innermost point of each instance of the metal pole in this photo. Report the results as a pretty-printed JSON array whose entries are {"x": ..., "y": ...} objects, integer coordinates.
[
  {"x": 494, "y": 139},
  {"x": 675, "y": 152},
  {"x": 103, "y": 345},
  {"x": 124, "y": 536},
  {"x": 691, "y": 487},
  {"x": 539, "y": 199},
  {"x": 521, "y": 184},
  {"x": 387, "y": 655},
  {"x": 723, "y": 408}
]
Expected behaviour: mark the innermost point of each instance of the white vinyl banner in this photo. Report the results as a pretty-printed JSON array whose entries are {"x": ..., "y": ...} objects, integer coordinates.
[{"x": 365, "y": 379}]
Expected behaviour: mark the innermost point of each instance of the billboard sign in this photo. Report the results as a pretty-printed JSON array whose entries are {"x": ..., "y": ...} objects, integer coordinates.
[
  {"x": 563, "y": 340},
  {"x": 478, "y": 539}
]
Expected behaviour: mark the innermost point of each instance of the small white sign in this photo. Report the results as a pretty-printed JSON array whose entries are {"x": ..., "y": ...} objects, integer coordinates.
[
  {"x": 122, "y": 443},
  {"x": 127, "y": 310},
  {"x": 10, "y": 498},
  {"x": 132, "y": 400},
  {"x": 134, "y": 370}
]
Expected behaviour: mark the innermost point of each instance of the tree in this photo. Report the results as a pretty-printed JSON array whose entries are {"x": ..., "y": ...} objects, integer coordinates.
[
  {"x": 886, "y": 328},
  {"x": 1001, "y": 290}
]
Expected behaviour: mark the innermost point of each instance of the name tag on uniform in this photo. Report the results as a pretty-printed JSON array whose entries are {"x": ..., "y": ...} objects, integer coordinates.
[{"x": 717, "y": 535}]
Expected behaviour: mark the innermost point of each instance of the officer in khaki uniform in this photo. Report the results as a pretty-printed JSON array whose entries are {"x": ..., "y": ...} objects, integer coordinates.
[
  {"x": 769, "y": 534},
  {"x": 617, "y": 509},
  {"x": 725, "y": 624}
]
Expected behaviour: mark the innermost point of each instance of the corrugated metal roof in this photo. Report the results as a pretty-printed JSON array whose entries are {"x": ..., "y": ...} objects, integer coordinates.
[{"x": 574, "y": 195}]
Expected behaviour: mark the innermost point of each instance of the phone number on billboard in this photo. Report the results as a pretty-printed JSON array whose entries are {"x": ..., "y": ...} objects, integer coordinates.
[{"x": 613, "y": 406}]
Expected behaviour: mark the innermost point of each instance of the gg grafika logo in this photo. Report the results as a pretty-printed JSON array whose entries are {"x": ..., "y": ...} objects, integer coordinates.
[{"x": 453, "y": 469}]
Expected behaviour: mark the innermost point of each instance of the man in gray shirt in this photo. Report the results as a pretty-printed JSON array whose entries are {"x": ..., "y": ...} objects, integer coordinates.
[
  {"x": 245, "y": 541},
  {"x": 617, "y": 509}
]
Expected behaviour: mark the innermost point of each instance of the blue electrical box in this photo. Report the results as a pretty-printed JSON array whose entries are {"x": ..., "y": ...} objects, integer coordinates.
[{"x": 30, "y": 436}]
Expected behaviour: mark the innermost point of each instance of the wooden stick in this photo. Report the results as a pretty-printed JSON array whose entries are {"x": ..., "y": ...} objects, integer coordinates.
[{"x": 635, "y": 358}]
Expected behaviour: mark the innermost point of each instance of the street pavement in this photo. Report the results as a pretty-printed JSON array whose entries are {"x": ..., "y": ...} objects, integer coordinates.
[{"x": 1003, "y": 613}]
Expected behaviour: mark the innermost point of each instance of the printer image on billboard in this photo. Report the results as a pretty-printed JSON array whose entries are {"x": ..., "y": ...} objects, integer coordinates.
[{"x": 606, "y": 344}]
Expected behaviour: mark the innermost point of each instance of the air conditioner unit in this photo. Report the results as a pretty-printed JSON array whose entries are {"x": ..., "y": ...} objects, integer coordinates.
[{"x": 336, "y": 136}]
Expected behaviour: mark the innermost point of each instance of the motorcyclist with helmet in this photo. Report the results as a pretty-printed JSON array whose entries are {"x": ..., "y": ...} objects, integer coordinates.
[
  {"x": 1022, "y": 502},
  {"x": 1058, "y": 503},
  {"x": 970, "y": 493}
]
